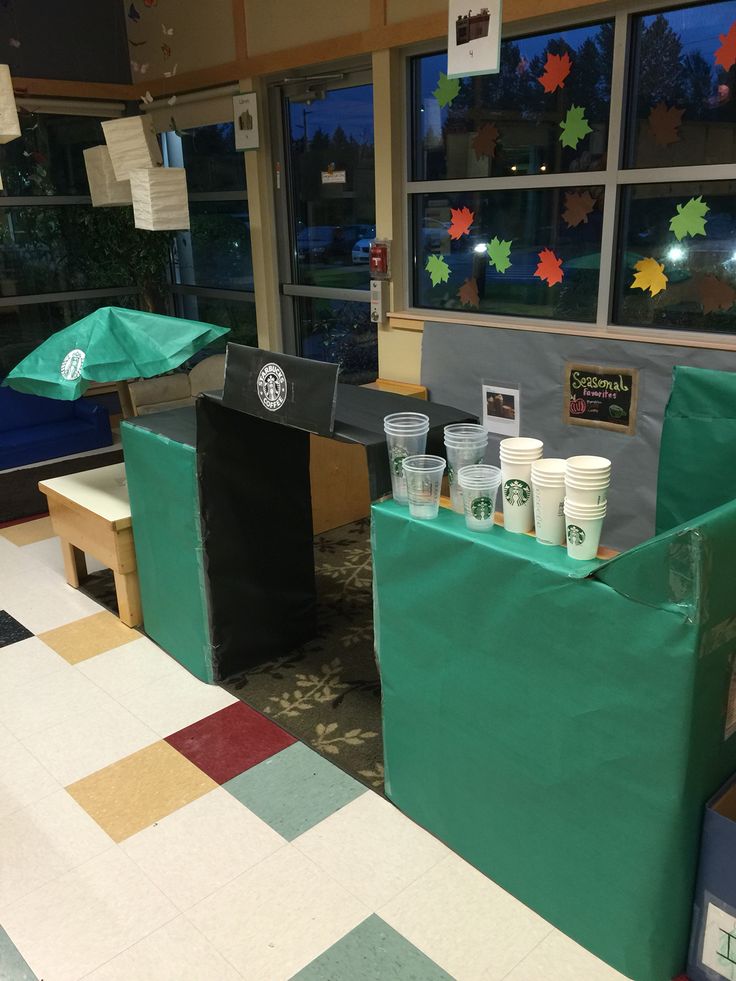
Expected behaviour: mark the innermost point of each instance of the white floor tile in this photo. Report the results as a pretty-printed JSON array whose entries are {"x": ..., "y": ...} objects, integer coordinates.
[
  {"x": 86, "y": 917},
  {"x": 277, "y": 917},
  {"x": 134, "y": 665},
  {"x": 47, "y": 552},
  {"x": 86, "y": 743},
  {"x": 558, "y": 958},
  {"x": 467, "y": 924},
  {"x": 44, "y": 840},
  {"x": 175, "y": 952},
  {"x": 202, "y": 846},
  {"x": 24, "y": 662},
  {"x": 174, "y": 702},
  {"x": 22, "y": 779},
  {"x": 49, "y": 700},
  {"x": 371, "y": 849},
  {"x": 41, "y": 601}
]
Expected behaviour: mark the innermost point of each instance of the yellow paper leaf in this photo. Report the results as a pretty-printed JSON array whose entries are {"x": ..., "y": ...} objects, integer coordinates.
[{"x": 649, "y": 276}]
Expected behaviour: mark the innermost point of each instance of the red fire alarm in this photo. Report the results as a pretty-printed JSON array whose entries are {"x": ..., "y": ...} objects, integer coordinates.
[{"x": 378, "y": 261}]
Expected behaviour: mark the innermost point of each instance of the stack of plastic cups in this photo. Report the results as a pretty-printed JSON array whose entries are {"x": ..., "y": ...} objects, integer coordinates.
[
  {"x": 423, "y": 475},
  {"x": 517, "y": 455},
  {"x": 479, "y": 485},
  {"x": 465, "y": 446},
  {"x": 587, "y": 479},
  {"x": 548, "y": 486},
  {"x": 406, "y": 435}
]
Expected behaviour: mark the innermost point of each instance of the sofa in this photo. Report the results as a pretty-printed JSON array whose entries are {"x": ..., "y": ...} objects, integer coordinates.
[
  {"x": 179, "y": 389},
  {"x": 33, "y": 429}
]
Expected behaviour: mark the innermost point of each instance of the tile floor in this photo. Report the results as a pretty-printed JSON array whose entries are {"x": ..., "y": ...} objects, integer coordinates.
[{"x": 154, "y": 828}]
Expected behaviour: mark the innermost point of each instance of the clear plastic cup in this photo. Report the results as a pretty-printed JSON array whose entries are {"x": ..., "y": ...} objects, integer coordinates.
[
  {"x": 583, "y": 530},
  {"x": 479, "y": 488},
  {"x": 465, "y": 445},
  {"x": 406, "y": 435},
  {"x": 423, "y": 474}
]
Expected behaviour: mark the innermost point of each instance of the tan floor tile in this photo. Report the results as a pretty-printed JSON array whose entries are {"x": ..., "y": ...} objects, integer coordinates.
[
  {"x": 131, "y": 794},
  {"x": 85, "y": 638},
  {"x": 28, "y": 532}
]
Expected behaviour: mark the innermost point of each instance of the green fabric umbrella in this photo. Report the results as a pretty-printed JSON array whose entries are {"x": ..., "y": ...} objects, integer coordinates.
[{"x": 110, "y": 345}]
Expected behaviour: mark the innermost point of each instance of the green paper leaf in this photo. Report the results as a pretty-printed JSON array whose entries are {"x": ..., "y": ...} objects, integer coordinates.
[
  {"x": 690, "y": 218},
  {"x": 498, "y": 254},
  {"x": 439, "y": 271},
  {"x": 447, "y": 89},
  {"x": 574, "y": 127}
]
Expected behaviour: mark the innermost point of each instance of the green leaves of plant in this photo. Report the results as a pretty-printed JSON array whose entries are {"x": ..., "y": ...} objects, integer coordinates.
[
  {"x": 439, "y": 271},
  {"x": 574, "y": 127},
  {"x": 690, "y": 218},
  {"x": 498, "y": 254},
  {"x": 447, "y": 89}
]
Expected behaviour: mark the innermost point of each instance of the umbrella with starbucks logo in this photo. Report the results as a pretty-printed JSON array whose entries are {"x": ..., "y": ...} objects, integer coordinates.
[{"x": 110, "y": 345}]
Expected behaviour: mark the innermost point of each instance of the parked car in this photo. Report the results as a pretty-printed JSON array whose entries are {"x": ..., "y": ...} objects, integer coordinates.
[{"x": 361, "y": 250}]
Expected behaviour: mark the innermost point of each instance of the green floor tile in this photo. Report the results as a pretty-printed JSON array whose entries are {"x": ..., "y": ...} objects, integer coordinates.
[
  {"x": 294, "y": 790},
  {"x": 12, "y": 965},
  {"x": 373, "y": 951}
]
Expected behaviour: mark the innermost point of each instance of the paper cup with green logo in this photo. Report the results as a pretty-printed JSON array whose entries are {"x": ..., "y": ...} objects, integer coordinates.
[
  {"x": 548, "y": 487},
  {"x": 583, "y": 525},
  {"x": 423, "y": 474},
  {"x": 465, "y": 446},
  {"x": 406, "y": 435},
  {"x": 517, "y": 455},
  {"x": 479, "y": 485}
]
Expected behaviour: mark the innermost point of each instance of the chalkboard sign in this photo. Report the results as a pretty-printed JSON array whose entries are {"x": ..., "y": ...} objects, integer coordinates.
[{"x": 600, "y": 396}]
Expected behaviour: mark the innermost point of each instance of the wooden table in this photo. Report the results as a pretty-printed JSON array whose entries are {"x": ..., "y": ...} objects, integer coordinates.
[{"x": 90, "y": 512}]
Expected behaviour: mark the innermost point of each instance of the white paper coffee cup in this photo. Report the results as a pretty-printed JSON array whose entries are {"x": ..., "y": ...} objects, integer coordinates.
[
  {"x": 586, "y": 493},
  {"x": 518, "y": 499},
  {"x": 583, "y": 531}
]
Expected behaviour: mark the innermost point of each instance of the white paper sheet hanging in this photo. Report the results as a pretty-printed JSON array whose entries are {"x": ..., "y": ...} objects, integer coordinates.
[
  {"x": 104, "y": 188},
  {"x": 160, "y": 201},
  {"x": 9, "y": 122},
  {"x": 132, "y": 144}
]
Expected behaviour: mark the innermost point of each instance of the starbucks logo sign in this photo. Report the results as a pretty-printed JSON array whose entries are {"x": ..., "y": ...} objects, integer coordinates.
[
  {"x": 398, "y": 455},
  {"x": 575, "y": 535},
  {"x": 271, "y": 385},
  {"x": 482, "y": 508},
  {"x": 451, "y": 473},
  {"x": 517, "y": 492},
  {"x": 71, "y": 366}
]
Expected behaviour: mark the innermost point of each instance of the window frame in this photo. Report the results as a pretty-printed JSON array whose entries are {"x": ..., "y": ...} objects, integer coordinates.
[{"x": 612, "y": 178}]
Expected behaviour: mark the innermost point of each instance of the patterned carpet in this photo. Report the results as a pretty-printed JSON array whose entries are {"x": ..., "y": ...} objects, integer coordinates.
[{"x": 327, "y": 693}]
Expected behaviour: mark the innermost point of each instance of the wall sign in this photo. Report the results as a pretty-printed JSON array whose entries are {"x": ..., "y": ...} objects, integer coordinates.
[
  {"x": 501, "y": 409},
  {"x": 474, "y": 38},
  {"x": 245, "y": 114},
  {"x": 334, "y": 176},
  {"x": 605, "y": 398}
]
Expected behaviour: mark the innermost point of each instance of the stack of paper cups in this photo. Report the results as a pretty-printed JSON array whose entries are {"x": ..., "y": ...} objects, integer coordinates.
[
  {"x": 479, "y": 486},
  {"x": 548, "y": 486},
  {"x": 517, "y": 456},
  {"x": 587, "y": 479},
  {"x": 583, "y": 524},
  {"x": 465, "y": 446},
  {"x": 406, "y": 435}
]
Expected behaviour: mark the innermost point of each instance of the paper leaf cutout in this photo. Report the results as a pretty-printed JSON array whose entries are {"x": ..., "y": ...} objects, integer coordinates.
[
  {"x": 649, "y": 276},
  {"x": 468, "y": 293},
  {"x": 498, "y": 254},
  {"x": 447, "y": 89},
  {"x": 556, "y": 70},
  {"x": 166, "y": 51},
  {"x": 714, "y": 294},
  {"x": 462, "y": 219},
  {"x": 574, "y": 127},
  {"x": 169, "y": 31},
  {"x": 14, "y": 42},
  {"x": 664, "y": 124},
  {"x": 439, "y": 271},
  {"x": 690, "y": 218},
  {"x": 147, "y": 98},
  {"x": 549, "y": 268},
  {"x": 133, "y": 13},
  {"x": 726, "y": 54},
  {"x": 577, "y": 208},
  {"x": 485, "y": 140}
]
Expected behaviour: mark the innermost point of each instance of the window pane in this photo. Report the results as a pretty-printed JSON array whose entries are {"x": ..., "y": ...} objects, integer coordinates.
[
  {"x": 507, "y": 124},
  {"x": 216, "y": 251},
  {"x": 47, "y": 159},
  {"x": 565, "y": 221},
  {"x": 211, "y": 160},
  {"x": 340, "y": 332},
  {"x": 683, "y": 103},
  {"x": 238, "y": 315},
  {"x": 699, "y": 292}
]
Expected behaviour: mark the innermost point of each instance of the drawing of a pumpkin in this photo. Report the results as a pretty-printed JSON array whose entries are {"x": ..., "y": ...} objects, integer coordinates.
[{"x": 578, "y": 406}]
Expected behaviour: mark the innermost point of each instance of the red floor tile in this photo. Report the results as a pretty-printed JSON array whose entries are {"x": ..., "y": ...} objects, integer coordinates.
[{"x": 230, "y": 741}]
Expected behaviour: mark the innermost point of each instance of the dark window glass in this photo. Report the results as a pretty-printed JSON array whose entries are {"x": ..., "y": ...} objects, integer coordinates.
[
  {"x": 238, "y": 315},
  {"x": 532, "y": 221},
  {"x": 211, "y": 160},
  {"x": 513, "y": 109},
  {"x": 700, "y": 288},
  {"x": 216, "y": 251},
  {"x": 48, "y": 156},
  {"x": 683, "y": 102},
  {"x": 341, "y": 332}
]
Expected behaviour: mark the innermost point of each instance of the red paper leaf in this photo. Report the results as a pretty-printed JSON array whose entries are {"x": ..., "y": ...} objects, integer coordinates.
[
  {"x": 462, "y": 219},
  {"x": 556, "y": 70},
  {"x": 664, "y": 123},
  {"x": 726, "y": 54},
  {"x": 484, "y": 143},
  {"x": 549, "y": 268},
  {"x": 715, "y": 294},
  {"x": 577, "y": 208},
  {"x": 468, "y": 293}
]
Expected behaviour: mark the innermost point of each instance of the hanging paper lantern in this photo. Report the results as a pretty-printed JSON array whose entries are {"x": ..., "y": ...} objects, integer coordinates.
[
  {"x": 9, "y": 122},
  {"x": 160, "y": 202},
  {"x": 132, "y": 144},
  {"x": 103, "y": 186}
]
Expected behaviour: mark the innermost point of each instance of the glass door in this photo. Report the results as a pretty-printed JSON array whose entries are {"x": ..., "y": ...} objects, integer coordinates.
[{"x": 327, "y": 219}]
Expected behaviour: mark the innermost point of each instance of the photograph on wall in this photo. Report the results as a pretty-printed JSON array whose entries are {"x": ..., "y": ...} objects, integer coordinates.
[
  {"x": 501, "y": 409},
  {"x": 473, "y": 38},
  {"x": 602, "y": 397}
]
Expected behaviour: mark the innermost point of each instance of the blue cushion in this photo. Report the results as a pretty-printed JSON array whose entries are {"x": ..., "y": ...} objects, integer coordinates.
[{"x": 17, "y": 411}]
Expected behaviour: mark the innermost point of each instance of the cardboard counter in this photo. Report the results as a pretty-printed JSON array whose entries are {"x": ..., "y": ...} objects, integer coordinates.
[{"x": 560, "y": 724}]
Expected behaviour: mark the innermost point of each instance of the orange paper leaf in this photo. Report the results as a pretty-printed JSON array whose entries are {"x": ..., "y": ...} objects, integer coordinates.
[
  {"x": 485, "y": 140},
  {"x": 715, "y": 294},
  {"x": 649, "y": 276},
  {"x": 577, "y": 208},
  {"x": 556, "y": 70},
  {"x": 462, "y": 219},
  {"x": 468, "y": 293},
  {"x": 549, "y": 268},
  {"x": 664, "y": 123},
  {"x": 726, "y": 54}
]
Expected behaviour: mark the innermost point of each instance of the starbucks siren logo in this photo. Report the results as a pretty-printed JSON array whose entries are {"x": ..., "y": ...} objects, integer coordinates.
[
  {"x": 71, "y": 366},
  {"x": 482, "y": 508},
  {"x": 517, "y": 492},
  {"x": 398, "y": 455},
  {"x": 575, "y": 535},
  {"x": 271, "y": 387},
  {"x": 450, "y": 473}
]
